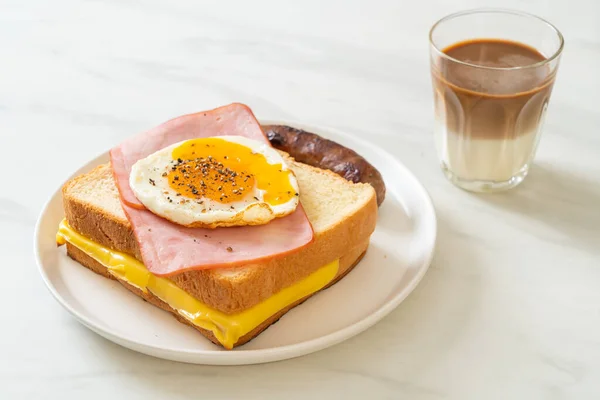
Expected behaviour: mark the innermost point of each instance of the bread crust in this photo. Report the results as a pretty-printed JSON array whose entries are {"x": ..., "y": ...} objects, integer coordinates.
[
  {"x": 347, "y": 263},
  {"x": 217, "y": 288}
]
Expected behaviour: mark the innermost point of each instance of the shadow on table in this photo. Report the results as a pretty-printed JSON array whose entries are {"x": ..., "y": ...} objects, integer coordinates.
[
  {"x": 563, "y": 202},
  {"x": 394, "y": 353}
]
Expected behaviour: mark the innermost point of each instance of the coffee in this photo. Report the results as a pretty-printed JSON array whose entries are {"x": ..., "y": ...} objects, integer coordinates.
[
  {"x": 493, "y": 71},
  {"x": 491, "y": 96}
]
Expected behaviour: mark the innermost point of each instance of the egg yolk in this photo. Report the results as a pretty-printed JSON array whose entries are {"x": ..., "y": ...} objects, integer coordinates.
[{"x": 225, "y": 171}]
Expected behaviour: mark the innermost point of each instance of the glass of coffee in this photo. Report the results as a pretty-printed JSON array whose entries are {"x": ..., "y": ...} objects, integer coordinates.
[{"x": 493, "y": 72}]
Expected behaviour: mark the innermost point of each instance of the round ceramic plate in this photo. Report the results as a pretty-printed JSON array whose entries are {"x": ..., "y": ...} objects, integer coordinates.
[{"x": 398, "y": 257}]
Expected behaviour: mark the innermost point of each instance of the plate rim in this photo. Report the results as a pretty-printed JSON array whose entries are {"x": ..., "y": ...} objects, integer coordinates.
[{"x": 255, "y": 356}]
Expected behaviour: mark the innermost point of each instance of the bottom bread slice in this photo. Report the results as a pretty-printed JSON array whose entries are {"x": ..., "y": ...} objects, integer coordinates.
[{"x": 346, "y": 264}]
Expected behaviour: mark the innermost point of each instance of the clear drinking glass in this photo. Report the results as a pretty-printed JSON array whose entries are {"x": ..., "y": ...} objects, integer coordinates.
[{"x": 489, "y": 113}]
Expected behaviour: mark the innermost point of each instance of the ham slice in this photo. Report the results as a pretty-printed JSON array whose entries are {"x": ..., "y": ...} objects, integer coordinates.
[{"x": 167, "y": 248}]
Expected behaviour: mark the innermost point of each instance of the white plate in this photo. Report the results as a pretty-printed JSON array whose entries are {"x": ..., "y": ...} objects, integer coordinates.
[{"x": 399, "y": 255}]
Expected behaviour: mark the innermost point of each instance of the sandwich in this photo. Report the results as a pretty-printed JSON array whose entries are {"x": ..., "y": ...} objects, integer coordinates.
[{"x": 179, "y": 231}]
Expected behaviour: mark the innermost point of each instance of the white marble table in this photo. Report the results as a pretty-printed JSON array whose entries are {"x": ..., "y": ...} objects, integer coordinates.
[{"x": 511, "y": 305}]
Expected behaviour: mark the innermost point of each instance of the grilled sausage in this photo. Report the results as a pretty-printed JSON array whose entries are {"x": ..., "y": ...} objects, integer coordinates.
[{"x": 312, "y": 149}]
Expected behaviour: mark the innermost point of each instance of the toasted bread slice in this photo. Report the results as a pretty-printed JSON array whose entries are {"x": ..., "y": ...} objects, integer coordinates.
[{"x": 343, "y": 215}]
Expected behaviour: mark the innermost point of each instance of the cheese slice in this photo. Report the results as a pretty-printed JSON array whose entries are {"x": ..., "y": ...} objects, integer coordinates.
[{"x": 227, "y": 328}]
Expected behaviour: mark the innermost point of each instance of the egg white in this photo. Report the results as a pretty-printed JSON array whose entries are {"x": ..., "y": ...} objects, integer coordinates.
[{"x": 153, "y": 191}]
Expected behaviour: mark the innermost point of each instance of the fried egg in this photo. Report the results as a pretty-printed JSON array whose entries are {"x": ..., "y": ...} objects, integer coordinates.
[{"x": 216, "y": 182}]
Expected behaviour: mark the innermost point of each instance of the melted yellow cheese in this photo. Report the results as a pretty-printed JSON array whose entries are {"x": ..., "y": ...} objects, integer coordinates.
[{"x": 227, "y": 328}]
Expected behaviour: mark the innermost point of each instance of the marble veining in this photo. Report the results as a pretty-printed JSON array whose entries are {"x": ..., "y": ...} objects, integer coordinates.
[{"x": 510, "y": 308}]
